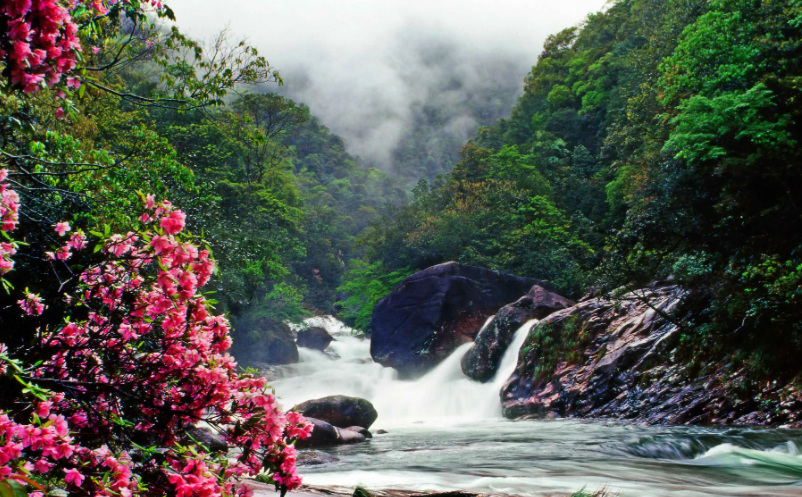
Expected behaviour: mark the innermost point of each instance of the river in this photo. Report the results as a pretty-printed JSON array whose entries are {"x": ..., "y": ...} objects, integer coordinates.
[{"x": 446, "y": 432}]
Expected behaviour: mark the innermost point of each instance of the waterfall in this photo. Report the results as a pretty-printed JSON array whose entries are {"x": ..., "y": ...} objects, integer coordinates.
[{"x": 443, "y": 396}]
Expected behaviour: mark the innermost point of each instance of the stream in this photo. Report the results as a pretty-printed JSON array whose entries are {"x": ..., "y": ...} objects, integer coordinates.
[{"x": 446, "y": 432}]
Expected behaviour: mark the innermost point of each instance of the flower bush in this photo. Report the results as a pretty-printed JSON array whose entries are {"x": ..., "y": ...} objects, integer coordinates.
[
  {"x": 39, "y": 41},
  {"x": 136, "y": 360}
]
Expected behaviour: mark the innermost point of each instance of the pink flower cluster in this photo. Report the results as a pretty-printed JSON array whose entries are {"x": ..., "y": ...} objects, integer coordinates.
[
  {"x": 9, "y": 217},
  {"x": 41, "y": 43},
  {"x": 32, "y": 304},
  {"x": 44, "y": 446},
  {"x": 151, "y": 353}
]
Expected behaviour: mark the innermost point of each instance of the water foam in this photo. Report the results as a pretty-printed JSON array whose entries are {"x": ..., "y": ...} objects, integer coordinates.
[{"x": 443, "y": 396}]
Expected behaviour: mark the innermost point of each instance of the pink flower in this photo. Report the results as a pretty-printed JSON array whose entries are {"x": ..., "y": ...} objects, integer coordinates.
[
  {"x": 174, "y": 222},
  {"x": 95, "y": 50},
  {"x": 74, "y": 82},
  {"x": 75, "y": 477},
  {"x": 32, "y": 305},
  {"x": 43, "y": 466},
  {"x": 62, "y": 228},
  {"x": 60, "y": 114},
  {"x": 3, "y": 174},
  {"x": 43, "y": 409}
]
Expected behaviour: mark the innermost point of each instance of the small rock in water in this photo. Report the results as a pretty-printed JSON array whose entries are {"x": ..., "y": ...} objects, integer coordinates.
[
  {"x": 363, "y": 492},
  {"x": 380, "y": 432},
  {"x": 360, "y": 430},
  {"x": 315, "y": 458},
  {"x": 349, "y": 437},
  {"x": 316, "y": 338}
]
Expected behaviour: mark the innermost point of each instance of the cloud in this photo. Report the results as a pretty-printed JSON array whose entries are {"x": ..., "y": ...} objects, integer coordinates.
[{"x": 371, "y": 69}]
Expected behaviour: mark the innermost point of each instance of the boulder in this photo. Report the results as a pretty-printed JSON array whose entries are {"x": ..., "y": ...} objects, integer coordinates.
[
  {"x": 434, "y": 311},
  {"x": 315, "y": 458},
  {"x": 207, "y": 437},
  {"x": 340, "y": 411},
  {"x": 323, "y": 435},
  {"x": 360, "y": 430},
  {"x": 265, "y": 342},
  {"x": 327, "y": 435},
  {"x": 350, "y": 437},
  {"x": 482, "y": 360},
  {"x": 315, "y": 338}
]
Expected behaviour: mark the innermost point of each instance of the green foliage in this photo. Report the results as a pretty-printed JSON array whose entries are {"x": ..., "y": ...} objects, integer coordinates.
[
  {"x": 551, "y": 344},
  {"x": 365, "y": 284}
]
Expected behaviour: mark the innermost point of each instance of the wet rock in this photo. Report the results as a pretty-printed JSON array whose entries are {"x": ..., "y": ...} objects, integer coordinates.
[
  {"x": 327, "y": 435},
  {"x": 363, "y": 492},
  {"x": 587, "y": 359},
  {"x": 208, "y": 438},
  {"x": 360, "y": 430},
  {"x": 615, "y": 358},
  {"x": 381, "y": 432},
  {"x": 323, "y": 435},
  {"x": 350, "y": 437},
  {"x": 429, "y": 314},
  {"x": 340, "y": 410},
  {"x": 482, "y": 360},
  {"x": 265, "y": 342},
  {"x": 315, "y": 458},
  {"x": 315, "y": 338}
]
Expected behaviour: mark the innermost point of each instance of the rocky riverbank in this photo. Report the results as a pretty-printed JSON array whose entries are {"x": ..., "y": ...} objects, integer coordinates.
[{"x": 603, "y": 357}]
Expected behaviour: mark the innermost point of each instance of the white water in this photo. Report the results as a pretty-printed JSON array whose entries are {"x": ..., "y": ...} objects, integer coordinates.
[
  {"x": 446, "y": 433},
  {"x": 443, "y": 396}
]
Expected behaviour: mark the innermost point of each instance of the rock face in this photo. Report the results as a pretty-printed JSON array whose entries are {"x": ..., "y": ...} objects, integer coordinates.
[
  {"x": 429, "y": 314},
  {"x": 316, "y": 338},
  {"x": 588, "y": 359},
  {"x": 615, "y": 359},
  {"x": 482, "y": 360},
  {"x": 340, "y": 410}
]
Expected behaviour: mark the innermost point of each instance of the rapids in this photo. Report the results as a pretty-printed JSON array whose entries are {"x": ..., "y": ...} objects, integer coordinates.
[{"x": 446, "y": 432}]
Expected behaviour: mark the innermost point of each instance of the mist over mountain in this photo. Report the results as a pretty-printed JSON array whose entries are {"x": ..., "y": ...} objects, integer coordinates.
[
  {"x": 435, "y": 93},
  {"x": 404, "y": 83}
]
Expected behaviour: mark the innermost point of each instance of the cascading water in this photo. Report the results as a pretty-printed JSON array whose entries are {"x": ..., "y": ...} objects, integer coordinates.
[
  {"x": 447, "y": 433},
  {"x": 444, "y": 395}
]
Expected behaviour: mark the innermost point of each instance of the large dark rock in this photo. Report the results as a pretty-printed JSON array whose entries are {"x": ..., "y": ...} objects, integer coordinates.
[
  {"x": 617, "y": 358},
  {"x": 316, "y": 338},
  {"x": 340, "y": 410},
  {"x": 429, "y": 314},
  {"x": 482, "y": 360},
  {"x": 265, "y": 342}
]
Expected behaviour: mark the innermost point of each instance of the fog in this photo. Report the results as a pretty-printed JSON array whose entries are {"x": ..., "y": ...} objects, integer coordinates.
[{"x": 372, "y": 70}]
